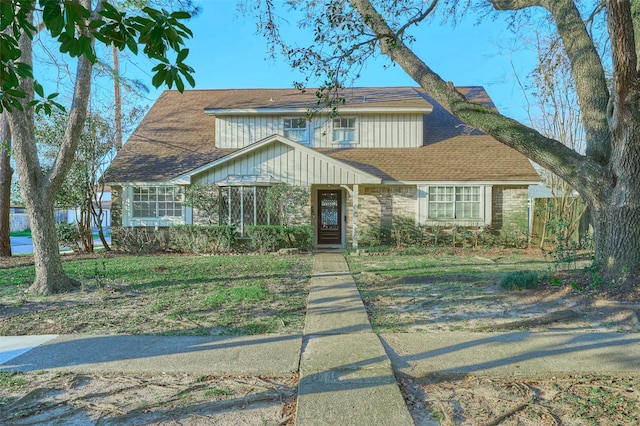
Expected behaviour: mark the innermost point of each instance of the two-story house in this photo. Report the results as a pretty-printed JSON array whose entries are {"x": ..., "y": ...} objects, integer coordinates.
[{"x": 391, "y": 152}]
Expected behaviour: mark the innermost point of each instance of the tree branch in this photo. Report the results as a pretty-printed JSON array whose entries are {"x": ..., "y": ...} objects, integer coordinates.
[
  {"x": 586, "y": 69},
  {"x": 549, "y": 153},
  {"x": 623, "y": 49},
  {"x": 418, "y": 18},
  {"x": 77, "y": 115}
]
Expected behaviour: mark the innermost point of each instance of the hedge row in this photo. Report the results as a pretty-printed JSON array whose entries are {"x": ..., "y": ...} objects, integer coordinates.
[
  {"x": 403, "y": 235},
  {"x": 200, "y": 239}
]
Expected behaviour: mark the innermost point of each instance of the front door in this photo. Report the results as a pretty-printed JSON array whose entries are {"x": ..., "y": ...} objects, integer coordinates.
[{"x": 329, "y": 212}]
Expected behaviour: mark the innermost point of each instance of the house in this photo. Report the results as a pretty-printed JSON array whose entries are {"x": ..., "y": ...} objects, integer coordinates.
[
  {"x": 390, "y": 153},
  {"x": 103, "y": 194}
]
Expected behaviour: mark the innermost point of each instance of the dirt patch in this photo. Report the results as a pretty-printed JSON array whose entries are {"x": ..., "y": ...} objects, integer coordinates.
[
  {"x": 462, "y": 293},
  {"x": 115, "y": 399},
  {"x": 544, "y": 401},
  {"x": 443, "y": 292}
]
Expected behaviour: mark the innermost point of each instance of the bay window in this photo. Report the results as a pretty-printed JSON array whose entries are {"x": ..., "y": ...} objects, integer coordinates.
[{"x": 244, "y": 206}]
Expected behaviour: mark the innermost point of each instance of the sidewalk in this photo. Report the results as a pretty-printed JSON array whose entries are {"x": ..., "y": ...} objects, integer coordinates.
[
  {"x": 345, "y": 375},
  {"x": 346, "y": 370}
]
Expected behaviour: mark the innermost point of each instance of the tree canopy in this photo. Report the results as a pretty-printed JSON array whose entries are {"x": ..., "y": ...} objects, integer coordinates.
[{"x": 75, "y": 27}]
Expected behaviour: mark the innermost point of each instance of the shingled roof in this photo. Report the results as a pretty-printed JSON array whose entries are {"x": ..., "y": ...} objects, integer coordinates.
[
  {"x": 176, "y": 136},
  {"x": 234, "y": 101}
]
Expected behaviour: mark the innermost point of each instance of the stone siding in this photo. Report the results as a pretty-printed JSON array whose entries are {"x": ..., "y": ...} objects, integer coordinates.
[
  {"x": 116, "y": 206},
  {"x": 379, "y": 206}
]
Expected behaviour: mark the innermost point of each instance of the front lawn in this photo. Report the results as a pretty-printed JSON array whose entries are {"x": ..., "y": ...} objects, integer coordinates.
[{"x": 179, "y": 295}]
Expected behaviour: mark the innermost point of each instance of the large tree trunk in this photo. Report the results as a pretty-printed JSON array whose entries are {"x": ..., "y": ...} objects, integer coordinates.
[
  {"x": 617, "y": 239},
  {"x": 50, "y": 277},
  {"x": 6, "y": 173},
  {"x": 39, "y": 190}
]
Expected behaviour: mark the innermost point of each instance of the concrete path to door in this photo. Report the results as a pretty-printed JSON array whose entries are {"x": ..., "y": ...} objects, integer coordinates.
[{"x": 346, "y": 377}]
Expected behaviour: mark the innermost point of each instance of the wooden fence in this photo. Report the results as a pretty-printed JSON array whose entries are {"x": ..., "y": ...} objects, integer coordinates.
[{"x": 541, "y": 216}]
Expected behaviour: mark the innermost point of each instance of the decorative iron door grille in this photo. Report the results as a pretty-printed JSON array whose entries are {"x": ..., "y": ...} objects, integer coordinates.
[{"x": 329, "y": 217}]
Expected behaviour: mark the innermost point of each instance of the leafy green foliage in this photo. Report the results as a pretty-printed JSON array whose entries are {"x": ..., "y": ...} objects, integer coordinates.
[
  {"x": 81, "y": 186},
  {"x": 287, "y": 203},
  {"x": 74, "y": 28},
  {"x": 205, "y": 198},
  {"x": 201, "y": 239},
  {"x": 519, "y": 280},
  {"x": 68, "y": 235},
  {"x": 266, "y": 238}
]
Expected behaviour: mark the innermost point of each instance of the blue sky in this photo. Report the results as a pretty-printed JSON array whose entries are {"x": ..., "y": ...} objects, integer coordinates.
[{"x": 226, "y": 52}]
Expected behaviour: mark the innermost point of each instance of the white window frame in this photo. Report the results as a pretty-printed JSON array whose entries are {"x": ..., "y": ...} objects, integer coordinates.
[
  {"x": 344, "y": 130},
  {"x": 154, "y": 204},
  {"x": 292, "y": 129},
  {"x": 483, "y": 209}
]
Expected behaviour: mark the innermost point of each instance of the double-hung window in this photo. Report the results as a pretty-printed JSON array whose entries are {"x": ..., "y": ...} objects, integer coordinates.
[
  {"x": 344, "y": 129},
  {"x": 296, "y": 130},
  {"x": 454, "y": 202},
  {"x": 158, "y": 201}
]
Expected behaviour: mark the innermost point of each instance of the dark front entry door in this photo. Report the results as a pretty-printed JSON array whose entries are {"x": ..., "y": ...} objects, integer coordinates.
[{"x": 329, "y": 215}]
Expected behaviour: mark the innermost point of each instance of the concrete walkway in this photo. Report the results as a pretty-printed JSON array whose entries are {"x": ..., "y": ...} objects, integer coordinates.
[
  {"x": 346, "y": 370},
  {"x": 345, "y": 375}
]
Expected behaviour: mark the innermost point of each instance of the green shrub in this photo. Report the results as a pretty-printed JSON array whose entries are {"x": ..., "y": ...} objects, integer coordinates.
[
  {"x": 200, "y": 239},
  {"x": 300, "y": 237},
  {"x": 404, "y": 232},
  {"x": 266, "y": 238},
  {"x": 519, "y": 280},
  {"x": 139, "y": 240},
  {"x": 68, "y": 235},
  {"x": 376, "y": 237}
]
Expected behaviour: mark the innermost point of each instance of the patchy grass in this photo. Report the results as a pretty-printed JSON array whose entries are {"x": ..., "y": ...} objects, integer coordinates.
[
  {"x": 568, "y": 399},
  {"x": 475, "y": 290},
  {"x": 11, "y": 380},
  {"x": 180, "y": 295}
]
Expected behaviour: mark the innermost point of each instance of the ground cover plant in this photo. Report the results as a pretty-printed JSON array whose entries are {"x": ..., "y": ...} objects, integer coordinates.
[{"x": 179, "y": 295}]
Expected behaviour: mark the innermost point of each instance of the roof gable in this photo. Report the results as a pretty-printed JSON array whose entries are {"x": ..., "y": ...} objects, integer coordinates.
[{"x": 259, "y": 159}]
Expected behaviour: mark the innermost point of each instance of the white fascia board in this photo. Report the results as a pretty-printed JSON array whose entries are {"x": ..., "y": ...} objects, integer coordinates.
[
  {"x": 297, "y": 111},
  {"x": 134, "y": 183},
  {"x": 185, "y": 179}
]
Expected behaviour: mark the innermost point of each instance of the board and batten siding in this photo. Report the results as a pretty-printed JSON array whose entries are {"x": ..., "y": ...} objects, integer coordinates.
[
  {"x": 372, "y": 130},
  {"x": 284, "y": 164}
]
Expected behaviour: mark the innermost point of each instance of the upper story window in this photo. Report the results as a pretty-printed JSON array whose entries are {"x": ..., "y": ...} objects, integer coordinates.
[
  {"x": 454, "y": 202},
  {"x": 157, "y": 201},
  {"x": 296, "y": 130},
  {"x": 344, "y": 129}
]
